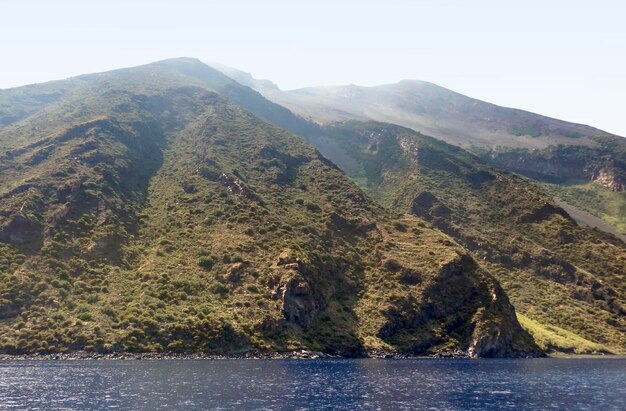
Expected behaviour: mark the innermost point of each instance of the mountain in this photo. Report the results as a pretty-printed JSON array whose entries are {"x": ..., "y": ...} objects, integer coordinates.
[
  {"x": 565, "y": 156},
  {"x": 567, "y": 282},
  {"x": 436, "y": 111},
  {"x": 19, "y": 103},
  {"x": 165, "y": 208},
  {"x": 154, "y": 209}
]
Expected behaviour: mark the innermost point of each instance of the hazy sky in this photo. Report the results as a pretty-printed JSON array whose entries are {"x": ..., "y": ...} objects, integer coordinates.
[{"x": 565, "y": 59}]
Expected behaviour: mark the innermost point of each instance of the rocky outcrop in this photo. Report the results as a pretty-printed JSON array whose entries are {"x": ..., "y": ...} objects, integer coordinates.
[
  {"x": 609, "y": 179},
  {"x": 464, "y": 303},
  {"x": 560, "y": 164},
  {"x": 236, "y": 187},
  {"x": 428, "y": 206},
  {"x": 544, "y": 212},
  {"x": 23, "y": 232},
  {"x": 290, "y": 286},
  {"x": 299, "y": 305},
  {"x": 497, "y": 333}
]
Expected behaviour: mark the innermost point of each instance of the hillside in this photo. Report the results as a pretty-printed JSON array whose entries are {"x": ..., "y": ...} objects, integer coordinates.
[
  {"x": 436, "y": 111},
  {"x": 542, "y": 148},
  {"x": 556, "y": 273},
  {"x": 144, "y": 210},
  {"x": 37, "y": 102}
]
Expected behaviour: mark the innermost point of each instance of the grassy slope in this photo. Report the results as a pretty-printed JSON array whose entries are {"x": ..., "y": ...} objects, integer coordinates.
[
  {"x": 551, "y": 338},
  {"x": 144, "y": 213},
  {"x": 556, "y": 273},
  {"x": 608, "y": 205}
]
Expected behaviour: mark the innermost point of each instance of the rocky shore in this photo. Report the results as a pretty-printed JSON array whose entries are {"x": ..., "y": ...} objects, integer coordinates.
[{"x": 298, "y": 354}]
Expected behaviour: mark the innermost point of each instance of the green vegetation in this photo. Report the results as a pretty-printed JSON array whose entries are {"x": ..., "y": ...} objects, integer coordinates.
[
  {"x": 554, "y": 271},
  {"x": 606, "y": 204},
  {"x": 551, "y": 338},
  {"x": 140, "y": 210},
  {"x": 533, "y": 130},
  {"x": 143, "y": 212},
  {"x": 206, "y": 262}
]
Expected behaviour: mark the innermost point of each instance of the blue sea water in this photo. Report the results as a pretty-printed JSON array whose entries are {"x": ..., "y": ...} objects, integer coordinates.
[{"x": 412, "y": 384}]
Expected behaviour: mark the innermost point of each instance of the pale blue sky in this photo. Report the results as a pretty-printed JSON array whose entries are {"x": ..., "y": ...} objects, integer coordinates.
[{"x": 565, "y": 59}]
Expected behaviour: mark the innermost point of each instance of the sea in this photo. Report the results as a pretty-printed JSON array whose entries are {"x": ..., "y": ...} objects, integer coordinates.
[{"x": 318, "y": 384}]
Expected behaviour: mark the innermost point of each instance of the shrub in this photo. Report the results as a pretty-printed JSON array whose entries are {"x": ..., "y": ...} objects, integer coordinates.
[
  {"x": 85, "y": 317},
  {"x": 313, "y": 207},
  {"x": 206, "y": 262},
  {"x": 218, "y": 288},
  {"x": 400, "y": 226},
  {"x": 108, "y": 311}
]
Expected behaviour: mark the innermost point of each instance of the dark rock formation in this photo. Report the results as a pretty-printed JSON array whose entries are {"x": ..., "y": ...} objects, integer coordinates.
[
  {"x": 427, "y": 205},
  {"x": 463, "y": 303},
  {"x": 23, "y": 232},
  {"x": 543, "y": 213}
]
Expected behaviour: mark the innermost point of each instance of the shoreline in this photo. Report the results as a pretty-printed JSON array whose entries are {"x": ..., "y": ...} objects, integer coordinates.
[
  {"x": 258, "y": 355},
  {"x": 252, "y": 355}
]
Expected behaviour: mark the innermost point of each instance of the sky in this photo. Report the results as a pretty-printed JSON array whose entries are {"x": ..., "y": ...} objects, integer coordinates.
[{"x": 565, "y": 59}]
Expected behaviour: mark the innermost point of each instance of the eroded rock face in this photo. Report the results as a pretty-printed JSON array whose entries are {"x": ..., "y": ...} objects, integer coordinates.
[
  {"x": 299, "y": 303},
  {"x": 563, "y": 164},
  {"x": 497, "y": 333},
  {"x": 609, "y": 179}
]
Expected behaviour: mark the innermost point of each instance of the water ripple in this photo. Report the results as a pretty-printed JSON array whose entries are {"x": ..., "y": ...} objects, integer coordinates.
[{"x": 537, "y": 384}]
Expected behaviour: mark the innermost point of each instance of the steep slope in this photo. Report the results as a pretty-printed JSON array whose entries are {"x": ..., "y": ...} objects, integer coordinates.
[
  {"x": 557, "y": 273},
  {"x": 34, "y": 100},
  {"x": 436, "y": 111},
  {"x": 141, "y": 211},
  {"x": 542, "y": 148},
  {"x": 18, "y": 103}
]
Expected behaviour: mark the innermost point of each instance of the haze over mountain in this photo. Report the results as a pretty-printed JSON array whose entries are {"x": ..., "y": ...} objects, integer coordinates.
[
  {"x": 444, "y": 114},
  {"x": 434, "y": 110},
  {"x": 545, "y": 149},
  {"x": 166, "y": 208}
]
